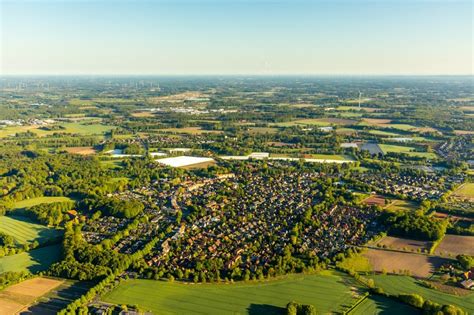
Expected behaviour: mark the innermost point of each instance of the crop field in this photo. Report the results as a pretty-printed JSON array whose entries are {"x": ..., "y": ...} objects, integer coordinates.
[
  {"x": 328, "y": 293},
  {"x": 395, "y": 262},
  {"x": 25, "y": 231},
  {"x": 404, "y": 244},
  {"x": 384, "y": 133},
  {"x": 465, "y": 191},
  {"x": 38, "y": 200},
  {"x": 58, "y": 298},
  {"x": 376, "y": 200},
  {"x": 376, "y": 304},
  {"x": 456, "y": 244},
  {"x": 323, "y": 122},
  {"x": 16, "y": 298},
  {"x": 262, "y": 130},
  {"x": 189, "y": 130},
  {"x": 404, "y": 285},
  {"x": 33, "y": 261},
  {"x": 338, "y": 157},
  {"x": 81, "y": 150}
]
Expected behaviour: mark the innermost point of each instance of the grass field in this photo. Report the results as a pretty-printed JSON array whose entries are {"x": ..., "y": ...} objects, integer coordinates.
[
  {"x": 404, "y": 284},
  {"x": 322, "y": 122},
  {"x": 465, "y": 191},
  {"x": 402, "y": 205},
  {"x": 376, "y": 304},
  {"x": 386, "y": 148},
  {"x": 328, "y": 293},
  {"x": 404, "y": 244},
  {"x": 69, "y": 127},
  {"x": 38, "y": 200},
  {"x": 358, "y": 263},
  {"x": 338, "y": 157},
  {"x": 33, "y": 261},
  {"x": 24, "y": 231}
]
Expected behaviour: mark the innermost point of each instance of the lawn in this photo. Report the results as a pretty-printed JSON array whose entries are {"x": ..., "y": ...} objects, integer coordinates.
[
  {"x": 376, "y": 304},
  {"x": 38, "y": 200},
  {"x": 24, "y": 231},
  {"x": 328, "y": 293},
  {"x": 33, "y": 261},
  {"x": 404, "y": 284}
]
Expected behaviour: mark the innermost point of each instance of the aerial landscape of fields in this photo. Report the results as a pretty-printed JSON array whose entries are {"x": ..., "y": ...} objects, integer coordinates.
[{"x": 236, "y": 157}]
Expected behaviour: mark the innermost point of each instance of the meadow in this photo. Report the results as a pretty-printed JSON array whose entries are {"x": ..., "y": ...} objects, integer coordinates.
[
  {"x": 38, "y": 200},
  {"x": 403, "y": 285},
  {"x": 69, "y": 127},
  {"x": 376, "y": 304},
  {"x": 328, "y": 292},
  {"x": 24, "y": 231},
  {"x": 386, "y": 148},
  {"x": 33, "y": 261}
]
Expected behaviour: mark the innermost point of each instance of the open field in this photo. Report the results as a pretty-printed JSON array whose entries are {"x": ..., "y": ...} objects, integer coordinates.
[
  {"x": 402, "y": 205},
  {"x": 69, "y": 127},
  {"x": 383, "y": 133},
  {"x": 81, "y": 150},
  {"x": 338, "y": 157},
  {"x": 24, "y": 231},
  {"x": 33, "y": 261},
  {"x": 391, "y": 261},
  {"x": 322, "y": 122},
  {"x": 16, "y": 298},
  {"x": 375, "y": 200},
  {"x": 386, "y": 148},
  {"x": 465, "y": 191},
  {"x": 456, "y": 244},
  {"x": 58, "y": 298},
  {"x": 38, "y": 200},
  {"x": 403, "y": 244},
  {"x": 393, "y": 284},
  {"x": 261, "y": 130},
  {"x": 328, "y": 293},
  {"x": 189, "y": 130},
  {"x": 376, "y": 304}
]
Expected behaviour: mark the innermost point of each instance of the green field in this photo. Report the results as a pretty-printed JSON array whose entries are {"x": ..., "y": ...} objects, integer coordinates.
[
  {"x": 376, "y": 304},
  {"x": 33, "y": 261},
  {"x": 404, "y": 149},
  {"x": 38, "y": 200},
  {"x": 25, "y": 231},
  {"x": 330, "y": 292},
  {"x": 338, "y": 157},
  {"x": 404, "y": 284},
  {"x": 384, "y": 133},
  {"x": 70, "y": 127},
  {"x": 465, "y": 191}
]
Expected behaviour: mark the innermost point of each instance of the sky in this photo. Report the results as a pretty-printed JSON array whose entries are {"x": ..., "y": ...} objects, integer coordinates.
[{"x": 261, "y": 37}]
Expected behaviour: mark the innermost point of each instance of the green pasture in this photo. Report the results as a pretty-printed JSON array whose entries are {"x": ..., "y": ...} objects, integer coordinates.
[
  {"x": 33, "y": 261},
  {"x": 393, "y": 284},
  {"x": 386, "y": 148},
  {"x": 331, "y": 292},
  {"x": 69, "y": 127},
  {"x": 38, "y": 200},
  {"x": 24, "y": 231},
  {"x": 376, "y": 304},
  {"x": 338, "y": 157}
]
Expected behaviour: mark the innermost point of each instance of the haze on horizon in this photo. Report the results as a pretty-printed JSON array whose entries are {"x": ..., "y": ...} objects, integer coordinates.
[{"x": 264, "y": 37}]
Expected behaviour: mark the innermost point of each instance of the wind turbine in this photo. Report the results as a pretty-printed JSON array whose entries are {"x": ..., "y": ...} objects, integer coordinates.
[{"x": 360, "y": 94}]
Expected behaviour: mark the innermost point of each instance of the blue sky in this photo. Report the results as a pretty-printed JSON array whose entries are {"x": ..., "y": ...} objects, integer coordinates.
[{"x": 236, "y": 37}]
